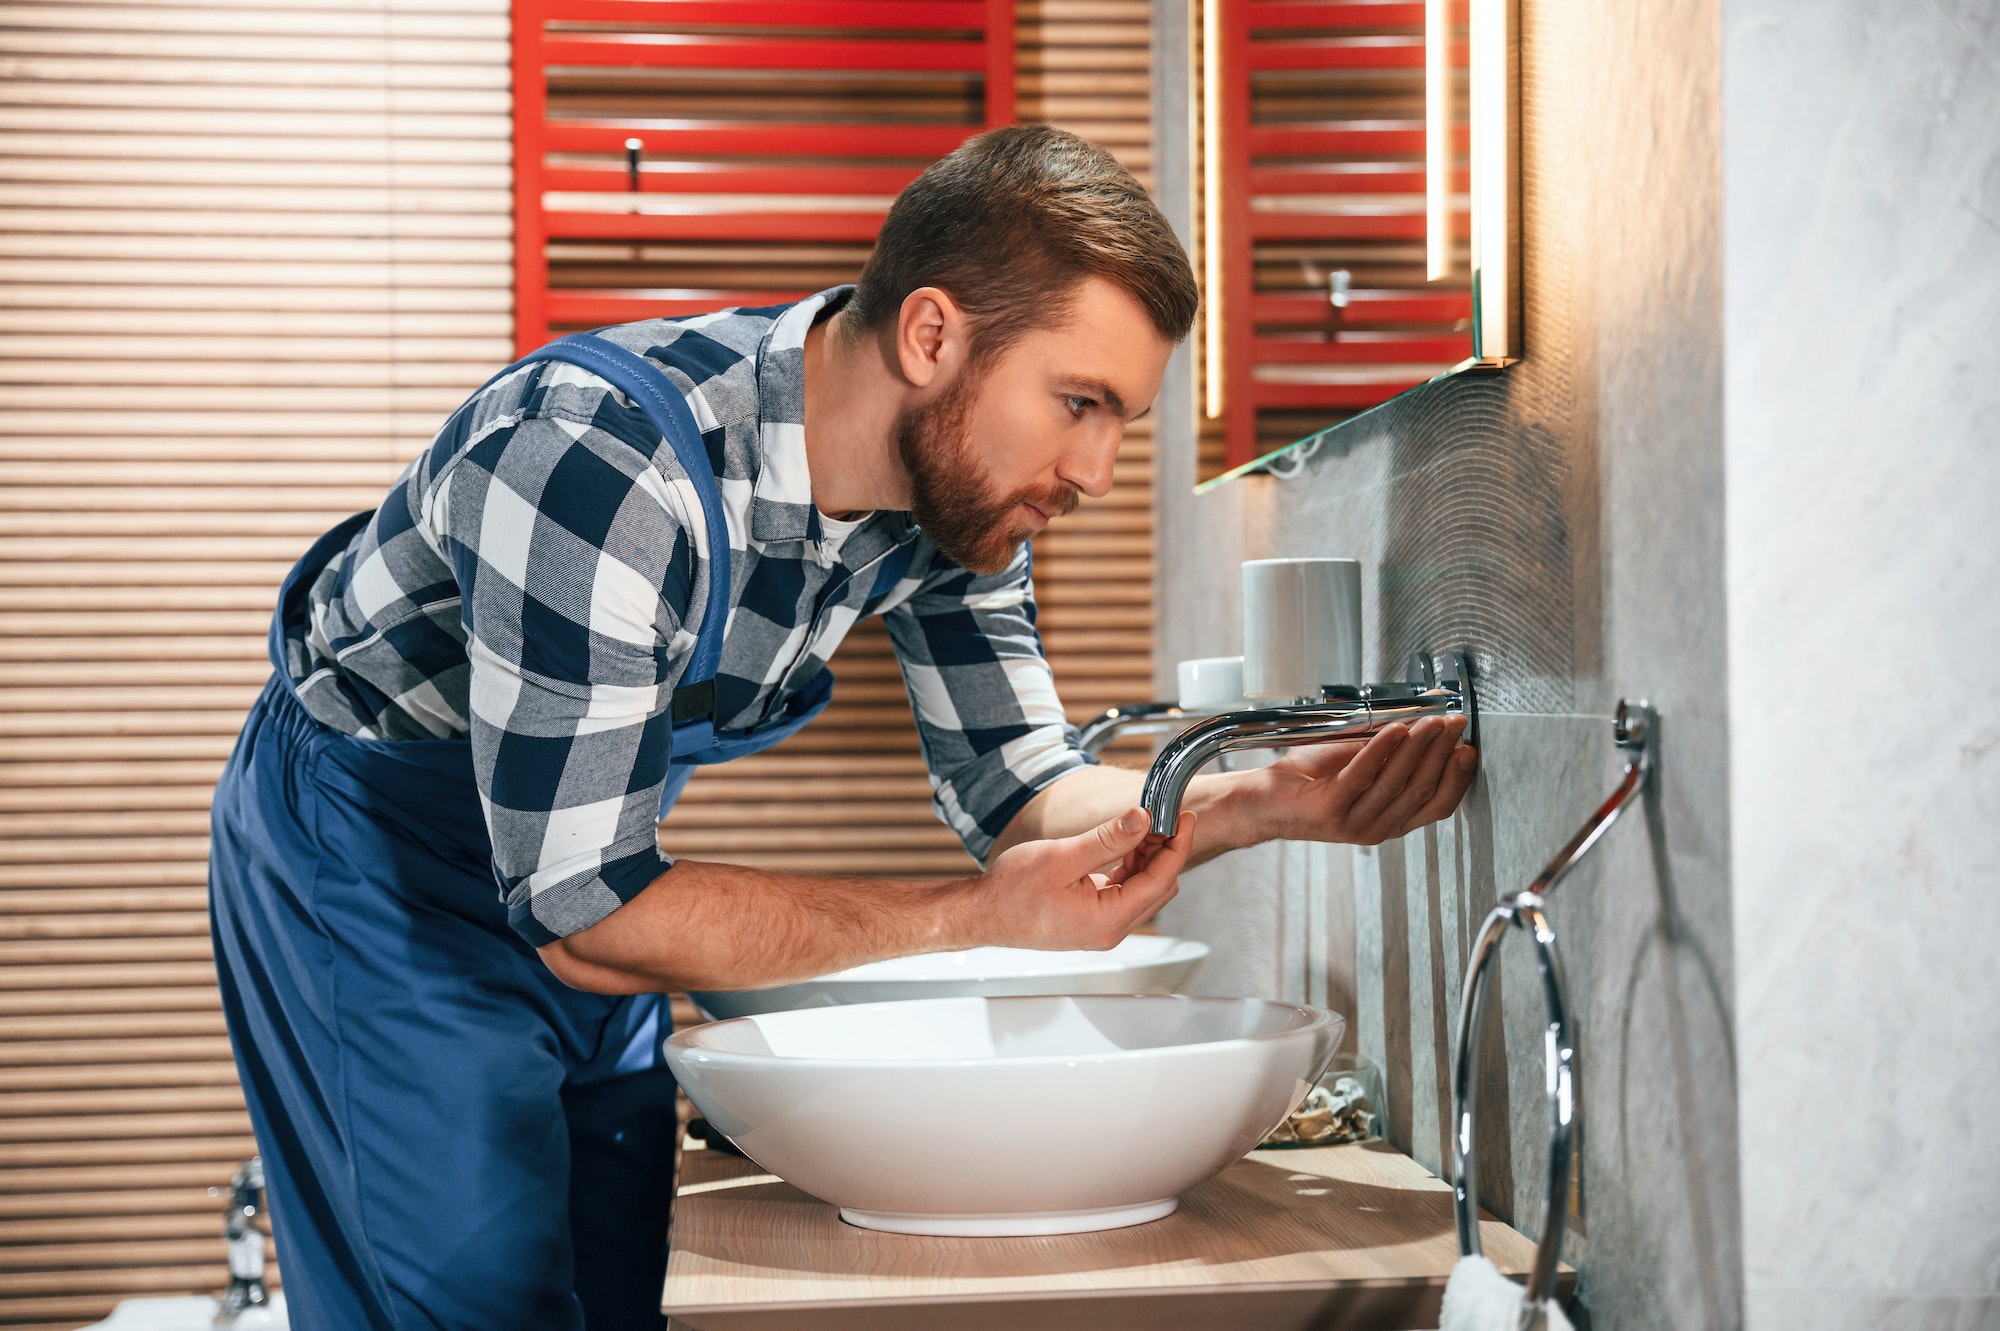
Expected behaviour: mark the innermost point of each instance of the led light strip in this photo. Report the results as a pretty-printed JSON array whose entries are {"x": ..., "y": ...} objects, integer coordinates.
[
  {"x": 1492, "y": 186},
  {"x": 1437, "y": 138},
  {"x": 1211, "y": 203}
]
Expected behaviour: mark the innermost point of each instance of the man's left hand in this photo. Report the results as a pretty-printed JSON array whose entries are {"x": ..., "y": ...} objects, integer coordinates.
[{"x": 1403, "y": 778}]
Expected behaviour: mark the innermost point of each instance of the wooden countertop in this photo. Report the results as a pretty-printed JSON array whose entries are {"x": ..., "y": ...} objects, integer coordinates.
[{"x": 1326, "y": 1238}]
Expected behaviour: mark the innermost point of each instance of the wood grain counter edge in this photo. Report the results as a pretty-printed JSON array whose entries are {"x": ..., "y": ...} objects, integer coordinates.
[{"x": 1334, "y": 1237}]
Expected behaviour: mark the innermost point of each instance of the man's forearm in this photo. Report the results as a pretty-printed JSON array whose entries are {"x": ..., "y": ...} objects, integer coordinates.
[
  {"x": 1089, "y": 795},
  {"x": 721, "y": 926}
]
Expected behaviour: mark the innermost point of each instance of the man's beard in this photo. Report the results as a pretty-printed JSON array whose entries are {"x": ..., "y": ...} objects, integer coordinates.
[{"x": 952, "y": 496}]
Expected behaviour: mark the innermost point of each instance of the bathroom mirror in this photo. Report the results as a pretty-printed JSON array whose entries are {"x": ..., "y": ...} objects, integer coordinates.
[{"x": 1357, "y": 182}]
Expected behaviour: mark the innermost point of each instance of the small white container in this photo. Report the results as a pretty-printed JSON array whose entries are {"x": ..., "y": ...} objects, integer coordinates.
[
  {"x": 1301, "y": 626},
  {"x": 1210, "y": 681}
]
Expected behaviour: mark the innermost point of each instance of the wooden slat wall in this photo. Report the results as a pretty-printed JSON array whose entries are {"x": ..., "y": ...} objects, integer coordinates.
[{"x": 251, "y": 253}]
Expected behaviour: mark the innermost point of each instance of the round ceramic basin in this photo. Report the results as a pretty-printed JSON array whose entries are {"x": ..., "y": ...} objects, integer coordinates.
[
  {"x": 1023, "y": 1115},
  {"x": 1141, "y": 964}
]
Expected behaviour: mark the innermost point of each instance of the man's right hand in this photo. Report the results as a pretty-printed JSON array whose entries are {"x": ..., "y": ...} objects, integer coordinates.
[
  {"x": 721, "y": 926},
  {"x": 1083, "y": 892}
]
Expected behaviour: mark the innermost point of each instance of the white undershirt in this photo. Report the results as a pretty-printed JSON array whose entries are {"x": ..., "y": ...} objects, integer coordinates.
[{"x": 833, "y": 533}]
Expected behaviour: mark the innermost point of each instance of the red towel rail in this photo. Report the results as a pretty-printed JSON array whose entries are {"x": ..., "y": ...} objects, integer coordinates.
[
  {"x": 1323, "y": 171},
  {"x": 727, "y": 178}
]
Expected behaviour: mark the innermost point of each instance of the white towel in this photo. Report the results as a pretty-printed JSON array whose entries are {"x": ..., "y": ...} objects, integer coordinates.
[{"x": 1479, "y": 1298}]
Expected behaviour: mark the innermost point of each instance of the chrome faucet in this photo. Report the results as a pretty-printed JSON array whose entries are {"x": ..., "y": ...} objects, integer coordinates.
[
  {"x": 246, "y": 1245},
  {"x": 1438, "y": 686}
]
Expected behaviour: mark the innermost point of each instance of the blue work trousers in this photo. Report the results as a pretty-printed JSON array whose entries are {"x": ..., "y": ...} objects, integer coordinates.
[{"x": 452, "y": 1138}]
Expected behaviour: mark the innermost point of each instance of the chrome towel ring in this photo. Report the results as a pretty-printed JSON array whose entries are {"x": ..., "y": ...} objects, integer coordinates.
[{"x": 1634, "y": 729}]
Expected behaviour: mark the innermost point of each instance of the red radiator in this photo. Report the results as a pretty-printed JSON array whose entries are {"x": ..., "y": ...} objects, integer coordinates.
[
  {"x": 1323, "y": 174},
  {"x": 675, "y": 131}
]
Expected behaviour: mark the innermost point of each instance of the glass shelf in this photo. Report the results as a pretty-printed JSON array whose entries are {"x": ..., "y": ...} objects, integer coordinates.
[{"x": 1306, "y": 444}]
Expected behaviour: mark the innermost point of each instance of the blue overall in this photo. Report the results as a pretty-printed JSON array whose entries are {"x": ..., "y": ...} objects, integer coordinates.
[{"x": 452, "y": 1137}]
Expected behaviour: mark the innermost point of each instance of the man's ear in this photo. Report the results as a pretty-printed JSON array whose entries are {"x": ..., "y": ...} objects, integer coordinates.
[{"x": 932, "y": 337}]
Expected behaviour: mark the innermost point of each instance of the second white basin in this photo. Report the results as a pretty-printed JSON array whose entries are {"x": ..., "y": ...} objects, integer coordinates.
[
  {"x": 1141, "y": 964},
  {"x": 985, "y": 1116}
]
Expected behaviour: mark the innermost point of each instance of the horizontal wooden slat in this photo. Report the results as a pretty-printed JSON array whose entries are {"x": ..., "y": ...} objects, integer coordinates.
[
  {"x": 118, "y": 1077},
  {"x": 302, "y": 272},
  {"x": 100, "y": 1052},
  {"x": 140, "y": 1206},
  {"x": 262, "y": 47},
  {"x": 77, "y": 924},
  {"x": 187, "y": 998},
  {"x": 136, "y": 92},
  {"x": 99, "y": 1228},
  {"x": 74, "y": 21},
  {"x": 360, "y": 135}
]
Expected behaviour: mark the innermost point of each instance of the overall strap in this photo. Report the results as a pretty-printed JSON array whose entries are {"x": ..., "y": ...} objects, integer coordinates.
[{"x": 653, "y": 393}]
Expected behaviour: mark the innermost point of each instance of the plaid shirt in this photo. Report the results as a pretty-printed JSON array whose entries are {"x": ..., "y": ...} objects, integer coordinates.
[{"x": 536, "y": 579}]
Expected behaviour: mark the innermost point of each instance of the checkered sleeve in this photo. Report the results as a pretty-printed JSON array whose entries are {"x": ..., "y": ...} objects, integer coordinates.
[
  {"x": 992, "y": 728},
  {"x": 575, "y": 561}
]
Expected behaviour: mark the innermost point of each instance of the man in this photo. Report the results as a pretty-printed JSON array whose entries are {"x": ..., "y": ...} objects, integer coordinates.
[{"x": 463, "y": 1113}]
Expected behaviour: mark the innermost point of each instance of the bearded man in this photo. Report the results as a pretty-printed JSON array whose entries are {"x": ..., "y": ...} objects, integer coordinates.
[{"x": 506, "y": 672}]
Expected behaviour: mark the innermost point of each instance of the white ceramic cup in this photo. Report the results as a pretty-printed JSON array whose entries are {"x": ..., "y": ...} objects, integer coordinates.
[
  {"x": 1210, "y": 681},
  {"x": 1301, "y": 626}
]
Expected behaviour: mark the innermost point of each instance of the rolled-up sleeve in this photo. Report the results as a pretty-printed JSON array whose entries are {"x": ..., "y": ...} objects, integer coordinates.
[
  {"x": 574, "y": 561},
  {"x": 991, "y": 725}
]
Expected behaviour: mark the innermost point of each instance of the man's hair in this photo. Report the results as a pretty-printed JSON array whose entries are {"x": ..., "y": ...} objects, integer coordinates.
[{"x": 1011, "y": 223}]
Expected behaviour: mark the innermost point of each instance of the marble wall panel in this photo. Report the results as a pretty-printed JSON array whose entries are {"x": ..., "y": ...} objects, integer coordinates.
[{"x": 1862, "y": 159}]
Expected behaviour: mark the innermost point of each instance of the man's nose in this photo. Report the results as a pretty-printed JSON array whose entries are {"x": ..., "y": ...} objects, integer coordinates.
[{"x": 1090, "y": 468}]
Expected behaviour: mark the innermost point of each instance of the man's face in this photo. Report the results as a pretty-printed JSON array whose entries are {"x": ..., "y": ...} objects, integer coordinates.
[{"x": 1022, "y": 438}]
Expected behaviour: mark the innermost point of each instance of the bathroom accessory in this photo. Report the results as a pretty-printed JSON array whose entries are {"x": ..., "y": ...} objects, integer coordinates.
[
  {"x": 1438, "y": 686},
  {"x": 1141, "y": 964},
  {"x": 1208, "y": 686},
  {"x": 1210, "y": 681},
  {"x": 246, "y": 1244},
  {"x": 1301, "y": 626},
  {"x": 247, "y": 1305},
  {"x": 1479, "y": 1298},
  {"x": 1346, "y": 1105},
  {"x": 990, "y": 1116},
  {"x": 1633, "y": 729}
]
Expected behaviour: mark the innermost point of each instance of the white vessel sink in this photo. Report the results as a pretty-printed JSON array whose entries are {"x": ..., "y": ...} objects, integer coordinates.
[
  {"x": 986, "y": 1116},
  {"x": 1142, "y": 964}
]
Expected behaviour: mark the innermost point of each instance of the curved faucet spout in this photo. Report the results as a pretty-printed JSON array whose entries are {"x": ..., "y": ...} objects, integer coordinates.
[{"x": 1341, "y": 712}]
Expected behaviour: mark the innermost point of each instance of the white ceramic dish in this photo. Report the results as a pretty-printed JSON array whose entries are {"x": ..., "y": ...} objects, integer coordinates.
[
  {"x": 988, "y": 1116},
  {"x": 1141, "y": 964}
]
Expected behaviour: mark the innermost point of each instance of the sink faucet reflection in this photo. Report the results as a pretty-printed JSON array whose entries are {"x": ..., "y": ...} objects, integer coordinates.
[
  {"x": 1143, "y": 718},
  {"x": 1440, "y": 686}
]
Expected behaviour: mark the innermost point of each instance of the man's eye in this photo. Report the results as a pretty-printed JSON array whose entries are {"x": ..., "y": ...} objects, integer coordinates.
[{"x": 1078, "y": 405}]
